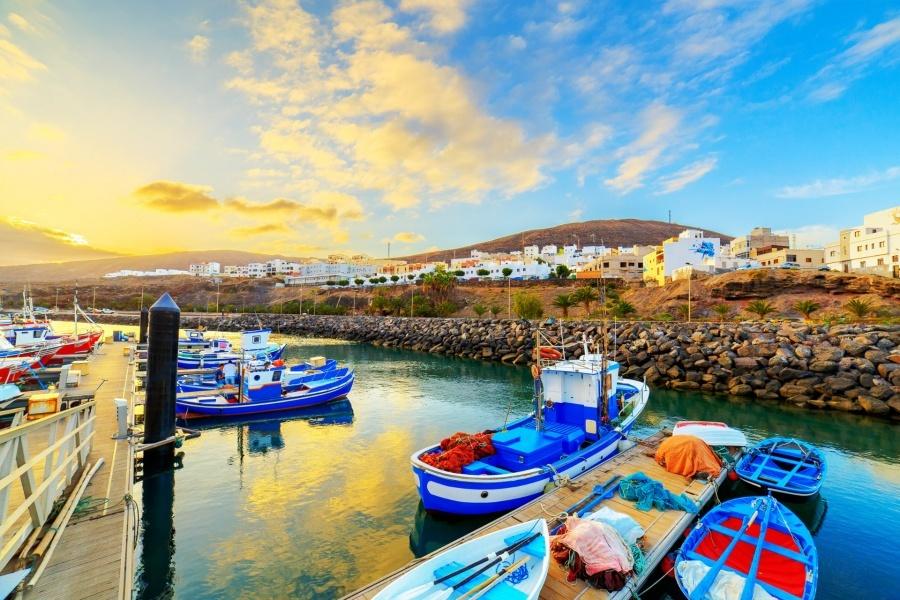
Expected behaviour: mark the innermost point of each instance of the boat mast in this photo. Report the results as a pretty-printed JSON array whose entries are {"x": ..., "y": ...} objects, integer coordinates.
[
  {"x": 536, "y": 374},
  {"x": 601, "y": 406}
]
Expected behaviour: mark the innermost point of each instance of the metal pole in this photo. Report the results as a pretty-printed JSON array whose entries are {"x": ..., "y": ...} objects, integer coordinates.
[
  {"x": 690, "y": 276},
  {"x": 142, "y": 330},
  {"x": 217, "y": 297},
  {"x": 162, "y": 371},
  {"x": 509, "y": 297}
]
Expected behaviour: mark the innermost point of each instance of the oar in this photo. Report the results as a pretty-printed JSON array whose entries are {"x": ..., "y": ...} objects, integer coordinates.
[
  {"x": 502, "y": 553},
  {"x": 603, "y": 494},
  {"x": 700, "y": 590},
  {"x": 578, "y": 507},
  {"x": 447, "y": 592},
  {"x": 482, "y": 588}
]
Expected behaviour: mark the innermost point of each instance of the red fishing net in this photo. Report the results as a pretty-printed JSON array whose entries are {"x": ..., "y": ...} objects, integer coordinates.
[{"x": 459, "y": 450}]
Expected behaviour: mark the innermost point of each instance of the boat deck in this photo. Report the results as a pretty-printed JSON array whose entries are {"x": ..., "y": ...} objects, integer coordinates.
[
  {"x": 95, "y": 555},
  {"x": 663, "y": 528}
]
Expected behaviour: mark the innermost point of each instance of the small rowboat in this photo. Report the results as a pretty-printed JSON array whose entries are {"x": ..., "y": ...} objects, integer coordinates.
[
  {"x": 509, "y": 563},
  {"x": 749, "y": 549},
  {"x": 711, "y": 432},
  {"x": 783, "y": 465}
]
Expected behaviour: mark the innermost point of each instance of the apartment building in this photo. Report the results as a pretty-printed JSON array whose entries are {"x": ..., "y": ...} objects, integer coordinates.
[
  {"x": 759, "y": 237},
  {"x": 688, "y": 248},
  {"x": 775, "y": 257},
  {"x": 872, "y": 248}
]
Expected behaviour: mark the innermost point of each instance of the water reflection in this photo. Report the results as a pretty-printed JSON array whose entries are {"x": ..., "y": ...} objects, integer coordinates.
[{"x": 432, "y": 531}]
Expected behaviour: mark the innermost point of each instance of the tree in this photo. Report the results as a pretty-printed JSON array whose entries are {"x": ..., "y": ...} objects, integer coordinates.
[
  {"x": 859, "y": 308},
  {"x": 459, "y": 273},
  {"x": 359, "y": 281},
  {"x": 681, "y": 312},
  {"x": 622, "y": 309},
  {"x": 482, "y": 272},
  {"x": 395, "y": 278},
  {"x": 760, "y": 308},
  {"x": 527, "y": 306},
  {"x": 439, "y": 284},
  {"x": 496, "y": 309},
  {"x": 585, "y": 295},
  {"x": 806, "y": 308},
  {"x": 343, "y": 282},
  {"x": 564, "y": 302},
  {"x": 410, "y": 276},
  {"x": 507, "y": 271},
  {"x": 723, "y": 310},
  {"x": 479, "y": 309},
  {"x": 373, "y": 280},
  {"x": 382, "y": 279},
  {"x": 562, "y": 271}
]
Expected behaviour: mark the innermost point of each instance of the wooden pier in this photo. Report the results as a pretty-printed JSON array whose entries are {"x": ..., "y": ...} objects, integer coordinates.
[
  {"x": 662, "y": 528},
  {"x": 94, "y": 557}
]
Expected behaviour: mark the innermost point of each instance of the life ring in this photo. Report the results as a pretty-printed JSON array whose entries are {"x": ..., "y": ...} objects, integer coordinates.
[
  {"x": 551, "y": 353},
  {"x": 535, "y": 371}
]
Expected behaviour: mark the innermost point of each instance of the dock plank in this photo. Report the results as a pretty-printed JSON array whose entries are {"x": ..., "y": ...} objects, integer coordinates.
[
  {"x": 94, "y": 558},
  {"x": 662, "y": 528}
]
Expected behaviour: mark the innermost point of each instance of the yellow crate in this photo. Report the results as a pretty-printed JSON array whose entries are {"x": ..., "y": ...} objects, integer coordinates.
[
  {"x": 41, "y": 405},
  {"x": 126, "y": 351},
  {"x": 317, "y": 361},
  {"x": 83, "y": 366},
  {"x": 108, "y": 339}
]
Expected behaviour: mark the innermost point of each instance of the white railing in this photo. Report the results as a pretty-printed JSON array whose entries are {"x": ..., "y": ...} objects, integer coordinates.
[{"x": 61, "y": 444}]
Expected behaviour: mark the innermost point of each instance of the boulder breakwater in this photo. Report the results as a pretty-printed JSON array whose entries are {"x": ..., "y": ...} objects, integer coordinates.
[{"x": 854, "y": 368}]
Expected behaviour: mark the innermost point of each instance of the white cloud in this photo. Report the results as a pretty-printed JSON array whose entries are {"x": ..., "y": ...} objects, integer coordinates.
[
  {"x": 839, "y": 186},
  {"x": 408, "y": 237},
  {"x": 446, "y": 16},
  {"x": 516, "y": 42},
  {"x": 20, "y": 22},
  {"x": 867, "y": 44},
  {"x": 660, "y": 123},
  {"x": 198, "y": 46},
  {"x": 16, "y": 64},
  {"x": 687, "y": 175}
]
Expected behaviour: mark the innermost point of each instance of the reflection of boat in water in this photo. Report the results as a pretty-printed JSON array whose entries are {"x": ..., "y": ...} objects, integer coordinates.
[
  {"x": 435, "y": 530},
  {"x": 336, "y": 412},
  {"x": 810, "y": 510}
]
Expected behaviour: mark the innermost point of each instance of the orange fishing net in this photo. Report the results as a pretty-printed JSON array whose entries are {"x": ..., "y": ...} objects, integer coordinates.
[
  {"x": 459, "y": 450},
  {"x": 688, "y": 455}
]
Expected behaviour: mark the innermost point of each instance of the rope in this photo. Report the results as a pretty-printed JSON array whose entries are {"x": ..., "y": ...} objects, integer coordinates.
[{"x": 561, "y": 480}]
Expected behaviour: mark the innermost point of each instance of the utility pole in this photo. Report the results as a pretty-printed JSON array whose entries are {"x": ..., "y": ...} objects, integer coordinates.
[
  {"x": 509, "y": 296},
  {"x": 217, "y": 296},
  {"x": 94, "y": 301},
  {"x": 142, "y": 298},
  {"x": 56, "y": 306},
  {"x": 412, "y": 296},
  {"x": 690, "y": 276}
]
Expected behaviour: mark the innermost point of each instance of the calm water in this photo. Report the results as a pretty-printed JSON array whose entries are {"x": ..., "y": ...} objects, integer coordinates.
[{"x": 314, "y": 505}]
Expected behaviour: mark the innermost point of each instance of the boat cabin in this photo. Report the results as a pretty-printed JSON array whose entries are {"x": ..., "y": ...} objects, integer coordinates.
[
  {"x": 29, "y": 336},
  {"x": 255, "y": 339}
]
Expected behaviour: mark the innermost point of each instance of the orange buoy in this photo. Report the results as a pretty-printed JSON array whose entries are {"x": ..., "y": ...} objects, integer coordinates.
[{"x": 551, "y": 353}]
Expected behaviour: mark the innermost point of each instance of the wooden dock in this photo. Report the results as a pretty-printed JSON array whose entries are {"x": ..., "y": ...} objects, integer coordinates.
[
  {"x": 663, "y": 528},
  {"x": 95, "y": 555}
]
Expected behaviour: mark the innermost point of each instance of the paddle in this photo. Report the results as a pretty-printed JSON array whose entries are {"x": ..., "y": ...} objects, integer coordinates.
[
  {"x": 710, "y": 577},
  {"x": 482, "y": 588},
  {"x": 606, "y": 492},
  {"x": 587, "y": 502},
  {"x": 503, "y": 553},
  {"x": 446, "y": 593}
]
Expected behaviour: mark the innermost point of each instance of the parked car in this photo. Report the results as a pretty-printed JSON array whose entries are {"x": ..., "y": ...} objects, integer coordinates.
[
  {"x": 825, "y": 268},
  {"x": 107, "y": 311},
  {"x": 789, "y": 265}
]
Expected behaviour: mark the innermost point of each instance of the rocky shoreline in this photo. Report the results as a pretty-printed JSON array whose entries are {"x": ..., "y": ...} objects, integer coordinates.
[{"x": 853, "y": 368}]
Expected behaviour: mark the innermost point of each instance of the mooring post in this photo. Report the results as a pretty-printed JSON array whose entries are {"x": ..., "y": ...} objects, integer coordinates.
[
  {"x": 162, "y": 370},
  {"x": 142, "y": 330},
  {"x": 156, "y": 576}
]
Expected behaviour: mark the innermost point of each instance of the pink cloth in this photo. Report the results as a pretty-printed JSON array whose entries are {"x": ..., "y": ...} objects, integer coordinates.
[{"x": 599, "y": 545}]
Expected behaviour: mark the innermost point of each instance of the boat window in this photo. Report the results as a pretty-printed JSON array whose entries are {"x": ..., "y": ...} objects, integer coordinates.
[
  {"x": 276, "y": 376},
  {"x": 255, "y": 339},
  {"x": 256, "y": 378}
]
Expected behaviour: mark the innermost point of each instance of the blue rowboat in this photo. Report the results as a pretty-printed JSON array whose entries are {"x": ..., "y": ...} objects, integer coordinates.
[
  {"x": 785, "y": 465},
  {"x": 255, "y": 345},
  {"x": 262, "y": 390},
  {"x": 746, "y": 548},
  {"x": 571, "y": 431}
]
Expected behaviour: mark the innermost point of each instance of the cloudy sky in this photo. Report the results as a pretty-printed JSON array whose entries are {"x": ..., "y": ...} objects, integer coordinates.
[{"x": 307, "y": 127}]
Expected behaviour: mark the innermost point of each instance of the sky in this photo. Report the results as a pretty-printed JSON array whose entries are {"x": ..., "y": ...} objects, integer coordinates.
[{"x": 311, "y": 127}]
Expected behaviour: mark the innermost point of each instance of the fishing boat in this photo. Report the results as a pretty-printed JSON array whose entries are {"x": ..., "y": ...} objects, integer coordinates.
[
  {"x": 508, "y": 563},
  {"x": 255, "y": 345},
  {"x": 583, "y": 410},
  {"x": 785, "y": 465},
  {"x": 263, "y": 389},
  {"x": 748, "y": 548},
  {"x": 293, "y": 375},
  {"x": 713, "y": 433}
]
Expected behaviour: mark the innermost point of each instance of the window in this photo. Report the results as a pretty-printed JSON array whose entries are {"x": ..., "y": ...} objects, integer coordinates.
[
  {"x": 641, "y": 265},
  {"x": 621, "y": 265},
  {"x": 808, "y": 259},
  {"x": 895, "y": 258},
  {"x": 855, "y": 234},
  {"x": 276, "y": 376},
  {"x": 791, "y": 258},
  {"x": 606, "y": 265},
  {"x": 881, "y": 244},
  {"x": 859, "y": 248},
  {"x": 862, "y": 263},
  {"x": 256, "y": 339},
  {"x": 880, "y": 262},
  {"x": 775, "y": 262}
]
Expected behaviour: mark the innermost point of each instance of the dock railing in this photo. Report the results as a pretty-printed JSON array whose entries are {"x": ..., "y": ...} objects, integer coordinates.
[{"x": 61, "y": 444}]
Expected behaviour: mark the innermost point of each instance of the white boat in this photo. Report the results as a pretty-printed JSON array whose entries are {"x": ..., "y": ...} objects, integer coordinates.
[
  {"x": 711, "y": 432},
  {"x": 517, "y": 572}
]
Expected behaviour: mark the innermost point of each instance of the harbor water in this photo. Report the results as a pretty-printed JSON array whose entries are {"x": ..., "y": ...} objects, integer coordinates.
[{"x": 317, "y": 503}]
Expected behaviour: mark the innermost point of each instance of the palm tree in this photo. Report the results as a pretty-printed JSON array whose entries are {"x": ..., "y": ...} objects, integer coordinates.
[
  {"x": 585, "y": 295},
  {"x": 760, "y": 308},
  {"x": 723, "y": 310},
  {"x": 496, "y": 309},
  {"x": 479, "y": 309},
  {"x": 439, "y": 284},
  {"x": 682, "y": 311},
  {"x": 806, "y": 308},
  {"x": 622, "y": 308},
  {"x": 564, "y": 302},
  {"x": 859, "y": 308}
]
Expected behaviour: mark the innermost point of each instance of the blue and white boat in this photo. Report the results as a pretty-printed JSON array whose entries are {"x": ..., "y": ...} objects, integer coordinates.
[
  {"x": 264, "y": 389},
  {"x": 784, "y": 465},
  {"x": 195, "y": 339},
  {"x": 293, "y": 375},
  {"x": 748, "y": 549},
  {"x": 582, "y": 411},
  {"x": 255, "y": 345}
]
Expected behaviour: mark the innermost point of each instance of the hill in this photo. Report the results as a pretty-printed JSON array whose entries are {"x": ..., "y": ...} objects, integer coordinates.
[
  {"x": 96, "y": 268},
  {"x": 608, "y": 232}
]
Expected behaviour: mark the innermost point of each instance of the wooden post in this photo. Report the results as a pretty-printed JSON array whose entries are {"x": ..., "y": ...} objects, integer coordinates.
[{"x": 162, "y": 370}]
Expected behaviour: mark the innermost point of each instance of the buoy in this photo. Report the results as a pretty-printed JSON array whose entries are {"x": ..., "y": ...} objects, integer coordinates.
[
  {"x": 668, "y": 564},
  {"x": 551, "y": 353},
  {"x": 732, "y": 476}
]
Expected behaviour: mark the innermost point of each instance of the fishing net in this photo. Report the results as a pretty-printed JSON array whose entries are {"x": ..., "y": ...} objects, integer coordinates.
[
  {"x": 649, "y": 493},
  {"x": 459, "y": 450},
  {"x": 593, "y": 551}
]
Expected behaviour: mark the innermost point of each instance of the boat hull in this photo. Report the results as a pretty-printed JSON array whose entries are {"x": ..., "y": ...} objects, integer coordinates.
[
  {"x": 783, "y": 466},
  {"x": 189, "y": 409}
]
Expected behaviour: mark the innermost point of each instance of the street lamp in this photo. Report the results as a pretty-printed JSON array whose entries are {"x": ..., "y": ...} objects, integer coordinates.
[{"x": 690, "y": 276}]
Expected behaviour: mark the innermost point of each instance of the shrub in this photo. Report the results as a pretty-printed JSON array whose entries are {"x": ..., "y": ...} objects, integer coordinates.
[
  {"x": 459, "y": 273},
  {"x": 496, "y": 309},
  {"x": 527, "y": 306},
  {"x": 395, "y": 278},
  {"x": 564, "y": 302},
  {"x": 760, "y": 308},
  {"x": 859, "y": 308},
  {"x": 382, "y": 279},
  {"x": 682, "y": 312},
  {"x": 506, "y": 271},
  {"x": 562, "y": 271},
  {"x": 806, "y": 308},
  {"x": 359, "y": 281},
  {"x": 410, "y": 276},
  {"x": 479, "y": 309},
  {"x": 482, "y": 272},
  {"x": 622, "y": 309},
  {"x": 445, "y": 308},
  {"x": 723, "y": 310}
]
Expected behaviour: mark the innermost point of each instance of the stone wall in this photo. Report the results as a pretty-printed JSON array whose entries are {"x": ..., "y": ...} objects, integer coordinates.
[{"x": 852, "y": 368}]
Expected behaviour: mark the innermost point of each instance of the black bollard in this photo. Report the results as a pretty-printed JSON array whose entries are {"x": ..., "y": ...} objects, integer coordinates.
[
  {"x": 142, "y": 330},
  {"x": 162, "y": 370},
  {"x": 157, "y": 573}
]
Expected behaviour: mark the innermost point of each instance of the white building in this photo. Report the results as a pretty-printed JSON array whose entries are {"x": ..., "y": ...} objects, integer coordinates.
[
  {"x": 518, "y": 269},
  {"x": 531, "y": 251},
  {"x": 873, "y": 248},
  {"x": 152, "y": 273},
  {"x": 206, "y": 269},
  {"x": 549, "y": 250}
]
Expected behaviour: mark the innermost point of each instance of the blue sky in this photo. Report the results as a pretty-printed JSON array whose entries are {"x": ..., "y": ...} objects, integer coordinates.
[{"x": 308, "y": 127}]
